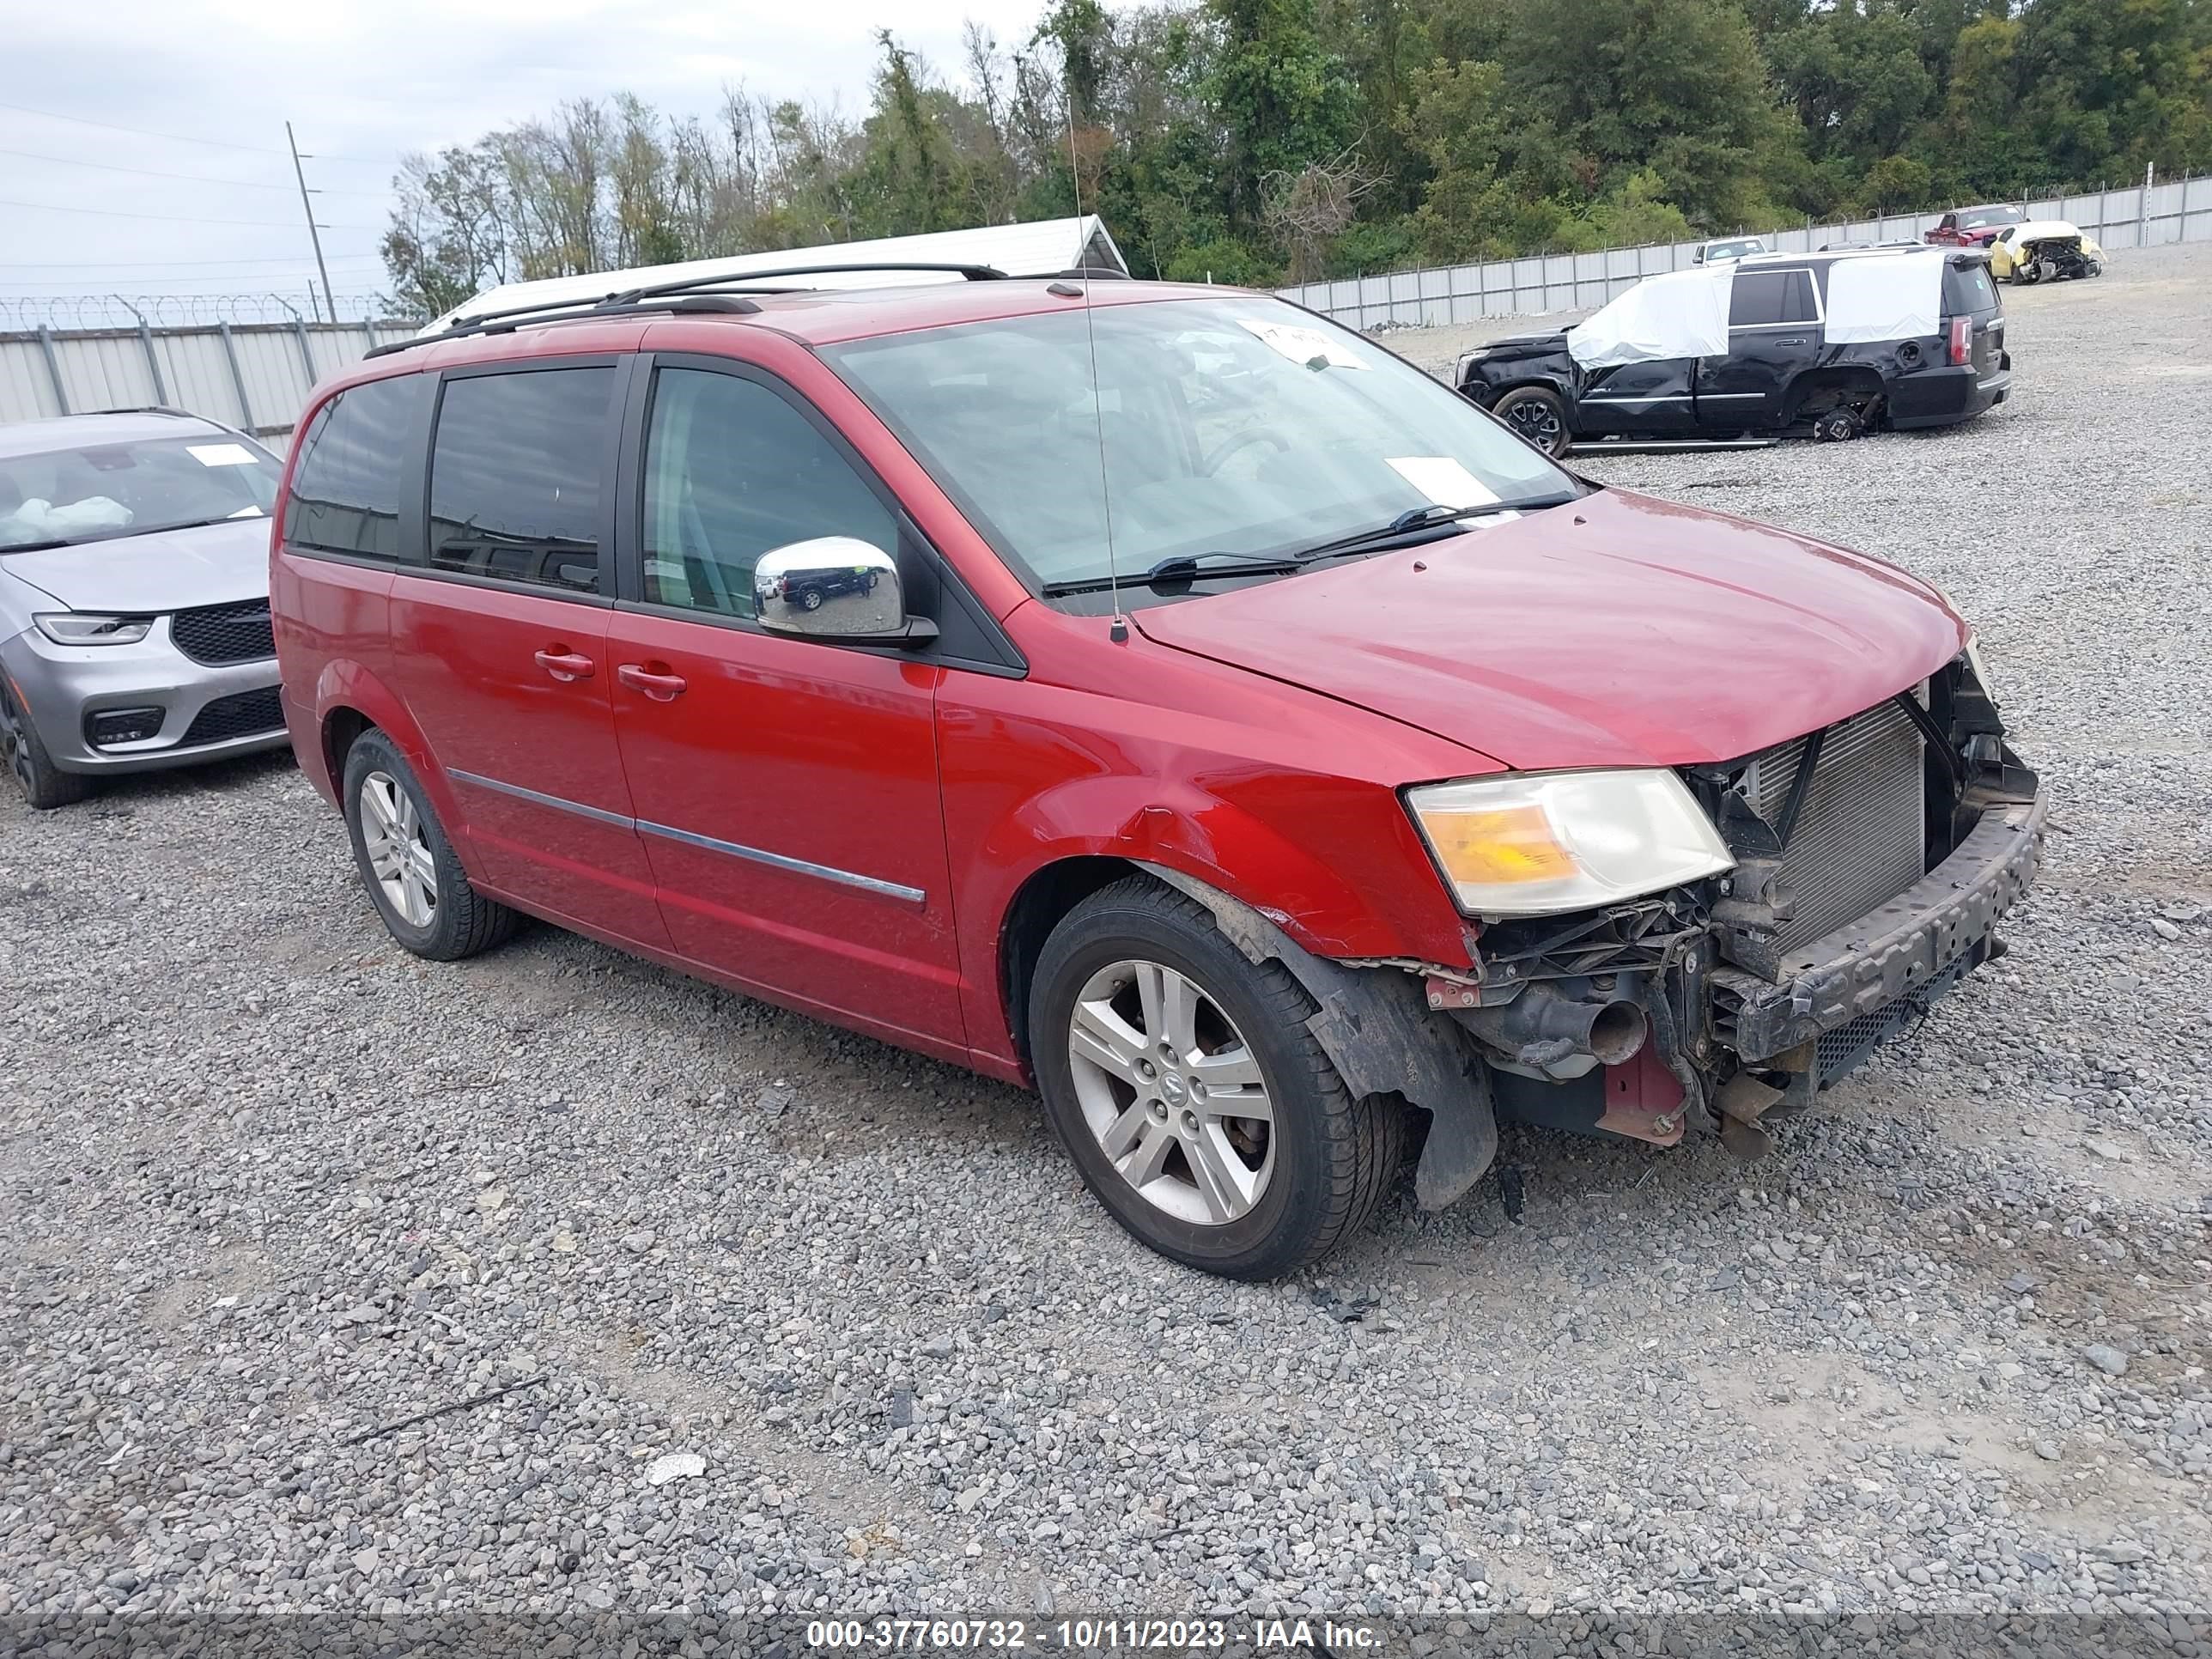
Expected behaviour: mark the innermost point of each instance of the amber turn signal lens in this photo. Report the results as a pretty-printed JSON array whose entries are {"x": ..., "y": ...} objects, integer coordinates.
[{"x": 1502, "y": 846}]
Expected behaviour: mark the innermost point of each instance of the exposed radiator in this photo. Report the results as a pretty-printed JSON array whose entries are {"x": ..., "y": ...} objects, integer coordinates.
[{"x": 1860, "y": 838}]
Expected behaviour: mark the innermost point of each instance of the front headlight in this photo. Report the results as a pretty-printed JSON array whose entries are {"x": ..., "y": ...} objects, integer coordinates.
[
  {"x": 1466, "y": 357},
  {"x": 77, "y": 627},
  {"x": 1533, "y": 844}
]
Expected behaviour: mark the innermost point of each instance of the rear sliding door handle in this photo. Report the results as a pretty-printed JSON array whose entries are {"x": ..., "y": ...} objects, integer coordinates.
[
  {"x": 661, "y": 688},
  {"x": 565, "y": 665}
]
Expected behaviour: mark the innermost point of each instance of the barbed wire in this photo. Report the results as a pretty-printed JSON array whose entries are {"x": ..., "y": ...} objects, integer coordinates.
[{"x": 29, "y": 313}]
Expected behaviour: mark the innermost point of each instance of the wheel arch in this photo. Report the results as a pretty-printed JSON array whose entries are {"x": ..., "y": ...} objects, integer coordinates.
[
  {"x": 1039, "y": 905},
  {"x": 1209, "y": 844},
  {"x": 1550, "y": 383},
  {"x": 349, "y": 700},
  {"x": 1829, "y": 377}
]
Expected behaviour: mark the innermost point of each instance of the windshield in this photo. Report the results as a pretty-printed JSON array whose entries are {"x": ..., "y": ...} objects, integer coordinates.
[
  {"x": 1238, "y": 425},
  {"x": 1735, "y": 250},
  {"x": 1979, "y": 218},
  {"x": 65, "y": 496}
]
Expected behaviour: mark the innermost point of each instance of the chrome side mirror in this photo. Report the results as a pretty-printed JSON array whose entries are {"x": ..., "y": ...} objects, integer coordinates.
[{"x": 835, "y": 587}]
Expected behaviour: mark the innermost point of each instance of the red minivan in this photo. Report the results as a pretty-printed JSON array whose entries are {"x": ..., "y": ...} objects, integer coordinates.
[{"x": 1155, "y": 694}]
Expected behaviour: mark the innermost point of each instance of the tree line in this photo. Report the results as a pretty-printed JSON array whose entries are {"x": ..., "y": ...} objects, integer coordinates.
[{"x": 1254, "y": 141}]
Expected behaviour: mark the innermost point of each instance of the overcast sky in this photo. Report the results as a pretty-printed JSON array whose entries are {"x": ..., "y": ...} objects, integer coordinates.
[{"x": 360, "y": 84}]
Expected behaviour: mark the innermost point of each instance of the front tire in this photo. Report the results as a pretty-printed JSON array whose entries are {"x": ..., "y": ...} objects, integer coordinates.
[
  {"x": 42, "y": 785},
  {"x": 1182, "y": 1080},
  {"x": 1537, "y": 414},
  {"x": 410, "y": 869}
]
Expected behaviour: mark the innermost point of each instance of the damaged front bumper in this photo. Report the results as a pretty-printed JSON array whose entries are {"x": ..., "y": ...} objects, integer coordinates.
[
  {"x": 1721, "y": 1046},
  {"x": 1885, "y": 961}
]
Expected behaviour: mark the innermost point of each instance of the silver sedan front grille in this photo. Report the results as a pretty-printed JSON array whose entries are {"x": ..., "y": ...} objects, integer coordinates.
[{"x": 1860, "y": 838}]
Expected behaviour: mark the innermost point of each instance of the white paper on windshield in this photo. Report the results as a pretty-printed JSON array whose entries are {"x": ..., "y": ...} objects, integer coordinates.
[
  {"x": 220, "y": 454},
  {"x": 1443, "y": 480},
  {"x": 247, "y": 513},
  {"x": 1886, "y": 296},
  {"x": 1682, "y": 314},
  {"x": 1304, "y": 345}
]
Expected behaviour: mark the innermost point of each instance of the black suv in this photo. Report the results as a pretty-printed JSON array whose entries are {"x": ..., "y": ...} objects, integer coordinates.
[{"x": 1782, "y": 376}]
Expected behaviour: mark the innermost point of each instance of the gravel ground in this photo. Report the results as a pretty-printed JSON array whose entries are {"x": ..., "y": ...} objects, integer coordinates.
[{"x": 268, "y": 1184}]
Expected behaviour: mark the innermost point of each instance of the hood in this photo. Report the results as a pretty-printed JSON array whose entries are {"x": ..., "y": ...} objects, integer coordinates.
[
  {"x": 1618, "y": 630},
  {"x": 2036, "y": 230},
  {"x": 161, "y": 570}
]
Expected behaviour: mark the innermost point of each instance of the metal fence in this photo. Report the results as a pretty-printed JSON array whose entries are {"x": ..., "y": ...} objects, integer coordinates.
[
  {"x": 2135, "y": 217},
  {"x": 255, "y": 376}
]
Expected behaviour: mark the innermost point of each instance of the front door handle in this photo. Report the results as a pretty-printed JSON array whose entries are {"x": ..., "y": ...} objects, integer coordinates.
[
  {"x": 565, "y": 665},
  {"x": 661, "y": 687},
  {"x": 1791, "y": 343}
]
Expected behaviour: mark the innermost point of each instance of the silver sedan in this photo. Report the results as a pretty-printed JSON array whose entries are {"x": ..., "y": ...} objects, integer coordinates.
[{"x": 134, "y": 598}]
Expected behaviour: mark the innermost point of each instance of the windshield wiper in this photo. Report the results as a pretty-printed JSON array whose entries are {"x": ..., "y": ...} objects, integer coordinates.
[
  {"x": 35, "y": 547},
  {"x": 1416, "y": 520},
  {"x": 1180, "y": 568},
  {"x": 1188, "y": 567}
]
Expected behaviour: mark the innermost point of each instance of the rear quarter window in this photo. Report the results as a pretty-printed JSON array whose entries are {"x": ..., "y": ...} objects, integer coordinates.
[
  {"x": 353, "y": 461},
  {"x": 1967, "y": 289}
]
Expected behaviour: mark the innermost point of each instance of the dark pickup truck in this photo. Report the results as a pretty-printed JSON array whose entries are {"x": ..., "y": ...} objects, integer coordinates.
[{"x": 1782, "y": 375}]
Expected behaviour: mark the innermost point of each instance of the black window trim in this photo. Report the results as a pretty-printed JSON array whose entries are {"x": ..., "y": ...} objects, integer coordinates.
[
  {"x": 609, "y": 476},
  {"x": 413, "y": 481},
  {"x": 1818, "y": 319},
  {"x": 1007, "y": 662}
]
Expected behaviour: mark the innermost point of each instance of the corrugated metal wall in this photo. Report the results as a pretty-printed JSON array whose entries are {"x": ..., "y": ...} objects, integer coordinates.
[
  {"x": 2120, "y": 219},
  {"x": 252, "y": 375}
]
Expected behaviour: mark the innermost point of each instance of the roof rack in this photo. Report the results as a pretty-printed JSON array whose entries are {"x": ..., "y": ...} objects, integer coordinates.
[{"x": 723, "y": 292}]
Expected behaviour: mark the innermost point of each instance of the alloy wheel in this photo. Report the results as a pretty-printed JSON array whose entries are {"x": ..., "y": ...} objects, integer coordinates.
[
  {"x": 1535, "y": 422},
  {"x": 399, "y": 850},
  {"x": 1172, "y": 1091}
]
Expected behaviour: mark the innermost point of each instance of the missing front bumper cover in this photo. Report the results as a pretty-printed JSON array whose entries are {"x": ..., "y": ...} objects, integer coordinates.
[{"x": 1904, "y": 946}]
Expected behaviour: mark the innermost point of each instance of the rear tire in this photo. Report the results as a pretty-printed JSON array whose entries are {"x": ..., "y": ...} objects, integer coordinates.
[
  {"x": 401, "y": 850},
  {"x": 42, "y": 785},
  {"x": 1538, "y": 415},
  {"x": 1308, "y": 1176}
]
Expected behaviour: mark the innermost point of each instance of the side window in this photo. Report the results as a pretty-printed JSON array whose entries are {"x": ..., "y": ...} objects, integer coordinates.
[
  {"x": 345, "y": 491},
  {"x": 1798, "y": 304},
  {"x": 515, "y": 476},
  {"x": 732, "y": 471},
  {"x": 1755, "y": 298}
]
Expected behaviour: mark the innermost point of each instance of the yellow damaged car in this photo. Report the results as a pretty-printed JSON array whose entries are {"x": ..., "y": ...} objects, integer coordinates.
[{"x": 2043, "y": 250}]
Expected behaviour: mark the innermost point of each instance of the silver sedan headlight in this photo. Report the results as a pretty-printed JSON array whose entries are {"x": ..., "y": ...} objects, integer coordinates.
[
  {"x": 1535, "y": 843},
  {"x": 81, "y": 627}
]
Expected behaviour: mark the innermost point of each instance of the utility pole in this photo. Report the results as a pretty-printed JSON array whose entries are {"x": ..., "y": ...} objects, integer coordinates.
[{"x": 314, "y": 235}]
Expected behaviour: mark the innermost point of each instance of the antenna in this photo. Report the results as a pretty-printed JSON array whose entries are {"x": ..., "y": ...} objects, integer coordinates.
[{"x": 1119, "y": 632}]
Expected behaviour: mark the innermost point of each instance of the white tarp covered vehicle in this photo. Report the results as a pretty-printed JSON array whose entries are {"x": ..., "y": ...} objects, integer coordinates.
[
  {"x": 1688, "y": 314},
  {"x": 1829, "y": 344}
]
